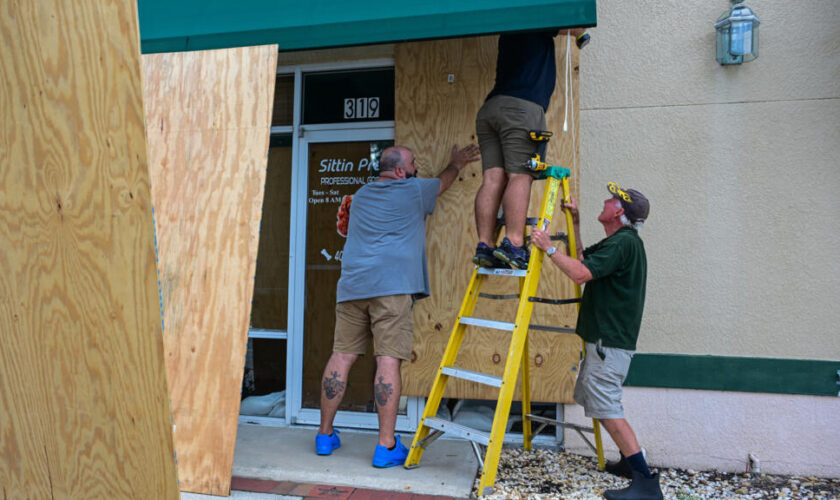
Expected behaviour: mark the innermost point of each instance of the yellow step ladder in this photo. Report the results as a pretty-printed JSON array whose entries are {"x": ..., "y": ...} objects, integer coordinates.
[{"x": 431, "y": 427}]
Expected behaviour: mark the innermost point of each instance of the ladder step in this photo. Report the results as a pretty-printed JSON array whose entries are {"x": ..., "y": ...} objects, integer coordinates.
[
  {"x": 508, "y": 327},
  {"x": 481, "y": 378},
  {"x": 488, "y": 323},
  {"x": 494, "y": 271},
  {"x": 459, "y": 430}
]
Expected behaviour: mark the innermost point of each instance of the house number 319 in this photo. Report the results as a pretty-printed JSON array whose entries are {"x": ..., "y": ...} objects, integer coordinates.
[{"x": 361, "y": 107}]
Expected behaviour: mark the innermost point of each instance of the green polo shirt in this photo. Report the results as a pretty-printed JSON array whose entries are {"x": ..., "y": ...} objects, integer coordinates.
[{"x": 613, "y": 300}]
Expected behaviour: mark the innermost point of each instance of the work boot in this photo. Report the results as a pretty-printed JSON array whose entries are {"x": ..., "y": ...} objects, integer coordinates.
[
  {"x": 641, "y": 488},
  {"x": 619, "y": 468}
]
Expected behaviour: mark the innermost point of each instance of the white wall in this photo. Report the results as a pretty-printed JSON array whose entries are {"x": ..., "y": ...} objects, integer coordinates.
[
  {"x": 742, "y": 167},
  {"x": 714, "y": 430}
]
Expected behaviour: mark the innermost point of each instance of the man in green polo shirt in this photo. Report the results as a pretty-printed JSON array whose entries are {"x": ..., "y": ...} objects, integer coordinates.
[{"x": 615, "y": 273}]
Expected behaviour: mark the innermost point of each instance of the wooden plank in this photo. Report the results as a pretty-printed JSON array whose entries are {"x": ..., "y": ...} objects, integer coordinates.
[
  {"x": 84, "y": 409},
  {"x": 432, "y": 114},
  {"x": 208, "y": 116}
]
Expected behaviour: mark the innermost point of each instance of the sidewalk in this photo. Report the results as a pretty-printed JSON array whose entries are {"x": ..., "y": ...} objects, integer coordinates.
[
  {"x": 260, "y": 489},
  {"x": 282, "y": 461}
]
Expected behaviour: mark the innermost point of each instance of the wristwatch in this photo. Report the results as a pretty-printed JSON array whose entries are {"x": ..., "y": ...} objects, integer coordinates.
[{"x": 551, "y": 251}]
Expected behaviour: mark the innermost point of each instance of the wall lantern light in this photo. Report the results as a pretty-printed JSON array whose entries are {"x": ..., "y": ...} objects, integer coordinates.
[{"x": 737, "y": 35}]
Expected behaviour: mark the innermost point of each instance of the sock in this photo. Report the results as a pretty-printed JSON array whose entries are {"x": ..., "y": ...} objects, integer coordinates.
[{"x": 638, "y": 463}]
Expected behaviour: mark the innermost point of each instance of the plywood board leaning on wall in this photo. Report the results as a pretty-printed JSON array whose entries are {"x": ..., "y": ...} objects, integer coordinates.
[
  {"x": 432, "y": 114},
  {"x": 84, "y": 410},
  {"x": 208, "y": 115}
]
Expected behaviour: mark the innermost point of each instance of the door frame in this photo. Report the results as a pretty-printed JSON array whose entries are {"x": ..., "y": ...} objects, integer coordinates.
[
  {"x": 380, "y": 131},
  {"x": 302, "y": 136}
]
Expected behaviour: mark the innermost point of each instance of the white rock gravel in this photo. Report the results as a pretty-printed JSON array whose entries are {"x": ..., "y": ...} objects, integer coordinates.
[{"x": 547, "y": 474}]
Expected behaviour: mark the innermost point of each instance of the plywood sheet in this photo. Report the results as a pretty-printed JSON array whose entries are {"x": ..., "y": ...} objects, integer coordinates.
[
  {"x": 432, "y": 114},
  {"x": 84, "y": 410},
  {"x": 208, "y": 116}
]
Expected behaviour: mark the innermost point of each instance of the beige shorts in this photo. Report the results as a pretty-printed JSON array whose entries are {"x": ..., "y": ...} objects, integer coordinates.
[
  {"x": 389, "y": 320},
  {"x": 598, "y": 386},
  {"x": 502, "y": 125}
]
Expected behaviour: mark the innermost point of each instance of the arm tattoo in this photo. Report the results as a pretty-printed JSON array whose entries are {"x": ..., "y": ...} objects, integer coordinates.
[
  {"x": 333, "y": 386},
  {"x": 382, "y": 391}
]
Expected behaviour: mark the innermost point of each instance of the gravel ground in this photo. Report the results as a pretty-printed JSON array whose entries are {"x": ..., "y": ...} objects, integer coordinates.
[{"x": 546, "y": 474}]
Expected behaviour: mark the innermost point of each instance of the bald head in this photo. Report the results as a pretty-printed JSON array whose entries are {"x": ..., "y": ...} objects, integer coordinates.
[{"x": 393, "y": 157}]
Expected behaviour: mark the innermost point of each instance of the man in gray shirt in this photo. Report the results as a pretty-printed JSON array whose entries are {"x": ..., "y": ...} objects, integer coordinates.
[{"x": 383, "y": 270}]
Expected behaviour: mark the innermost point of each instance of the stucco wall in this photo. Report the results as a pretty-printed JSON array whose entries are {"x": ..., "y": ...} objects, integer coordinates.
[
  {"x": 742, "y": 167},
  {"x": 705, "y": 430},
  {"x": 741, "y": 164}
]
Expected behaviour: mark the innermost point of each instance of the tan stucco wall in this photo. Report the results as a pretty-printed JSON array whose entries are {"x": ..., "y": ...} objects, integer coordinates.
[{"x": 742, "y": 166}]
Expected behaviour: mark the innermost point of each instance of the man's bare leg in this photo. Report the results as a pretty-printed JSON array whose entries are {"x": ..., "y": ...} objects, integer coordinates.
[
  {"x": 622, "y": 434},
  {"x": 333, "y": 385},
  {"x": 386, "y": 390},
  {"x": 515, "y": 202},
  {"x": 487, "y": 203}
]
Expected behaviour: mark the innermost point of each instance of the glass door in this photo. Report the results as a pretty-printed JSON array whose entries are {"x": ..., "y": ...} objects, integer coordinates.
[{"x": 332, "y": 165}]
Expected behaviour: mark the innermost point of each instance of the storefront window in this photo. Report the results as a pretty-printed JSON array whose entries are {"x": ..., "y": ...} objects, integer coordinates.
[
  {"x": 348, "y": 96},
  {"x": 264, "y": 383},
  {"x": 271, "y": 284}
]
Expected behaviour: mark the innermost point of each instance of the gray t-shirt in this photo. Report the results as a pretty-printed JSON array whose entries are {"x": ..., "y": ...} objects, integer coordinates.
[{"x": 385, "y": 252}]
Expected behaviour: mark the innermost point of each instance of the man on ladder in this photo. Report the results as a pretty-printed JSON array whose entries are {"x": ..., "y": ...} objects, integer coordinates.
[
  {"x": 526, "y": 74},
  {"x": 615, "y": 273}
]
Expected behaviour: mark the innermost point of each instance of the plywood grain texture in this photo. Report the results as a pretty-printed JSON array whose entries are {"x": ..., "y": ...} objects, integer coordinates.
[
  {"x": 84, "y": 410},
  {"x": 431, "y": 115},
  {"x": 208, "y": 115}
]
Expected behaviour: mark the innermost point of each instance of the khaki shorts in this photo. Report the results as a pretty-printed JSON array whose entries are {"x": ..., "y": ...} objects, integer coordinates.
[
  {"x": 502, "y": 126},
  {"x": 389, "y": 319},
  {"x": 598, "y": 387}
]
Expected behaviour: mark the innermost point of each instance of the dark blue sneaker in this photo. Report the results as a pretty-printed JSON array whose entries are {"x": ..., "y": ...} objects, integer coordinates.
[
  {"x": 326, "y": 443},
  {"x": 484, "y": 257},
  {"x": 383, "y": 457},
  {"x": 515, "y": 256}
]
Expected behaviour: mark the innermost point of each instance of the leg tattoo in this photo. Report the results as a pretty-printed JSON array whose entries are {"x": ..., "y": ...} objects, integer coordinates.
[
  {"x": 382, "y": 391},
  {"x": 333, "y": 386}
]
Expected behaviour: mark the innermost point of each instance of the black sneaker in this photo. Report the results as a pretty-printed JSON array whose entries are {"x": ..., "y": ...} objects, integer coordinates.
[
  {"x": 484, "y": 257},
  {"x": 515, "y": 256}
]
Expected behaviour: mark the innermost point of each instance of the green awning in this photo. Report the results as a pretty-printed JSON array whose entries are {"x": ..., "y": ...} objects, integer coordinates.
[{"x": 181, "y": 25}]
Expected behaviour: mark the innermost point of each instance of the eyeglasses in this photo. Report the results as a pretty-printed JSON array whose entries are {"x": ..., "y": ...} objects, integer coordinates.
[{"x": 616, "y": 190}]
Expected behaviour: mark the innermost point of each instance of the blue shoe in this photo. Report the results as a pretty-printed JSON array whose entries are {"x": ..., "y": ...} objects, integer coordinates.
[
  {"x": 383, "y": 457},
  {"x": 326, "y": 443},
  {"x": 484, "y": 257},
  {"x": 515, "y": 256}
]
